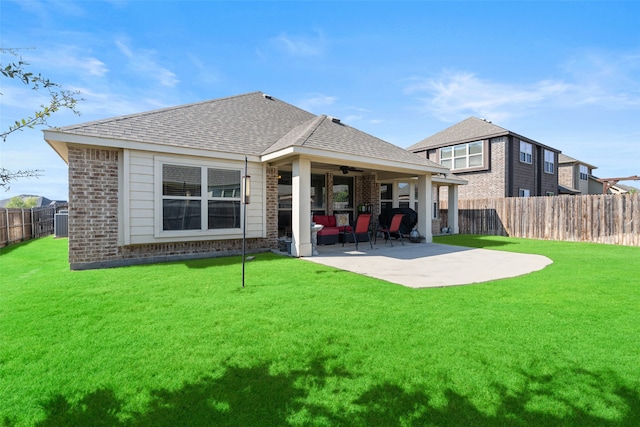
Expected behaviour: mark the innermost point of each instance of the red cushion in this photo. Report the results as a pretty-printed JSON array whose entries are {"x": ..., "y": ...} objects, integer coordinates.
[
  {"x": 328, "y": 231},
  {"x": 321, "y": 219},
  {"x": 332, "y": 221}
]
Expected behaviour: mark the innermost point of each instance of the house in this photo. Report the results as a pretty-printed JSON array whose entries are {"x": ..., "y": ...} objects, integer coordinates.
[
  {"x": 495, "y": 162},
  {"x": 576, "y": 177},
  {"x": 167, "y": 184}
]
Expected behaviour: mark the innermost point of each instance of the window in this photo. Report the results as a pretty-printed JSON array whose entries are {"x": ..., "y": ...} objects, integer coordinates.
[
  {"x": 550, "y": 193},
  {"x": 318, "y": 193},
  {"x": 549, "y": 161},
  {"x": 584, "y": 173},
  {"x": 524, "y": 192},
  {"x": 386, "y": 196},
  {"x": 462, "y": 156},
  {"x": 343, "y": 194},
  {"x": 526, "y": 152},
  {"x": 404, "y": 197},
  {"x": 200, "y": 198}
]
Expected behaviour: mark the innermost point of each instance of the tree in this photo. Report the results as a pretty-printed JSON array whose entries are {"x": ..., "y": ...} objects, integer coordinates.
[
  {"x": 19, "y": 202},
  {"x": 58, "y": 98}
]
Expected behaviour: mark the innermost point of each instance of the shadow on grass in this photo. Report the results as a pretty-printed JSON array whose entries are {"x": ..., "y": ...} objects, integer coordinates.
[
  {"x": 473, "y": 240},
  {"x": 254, "y": 396}
]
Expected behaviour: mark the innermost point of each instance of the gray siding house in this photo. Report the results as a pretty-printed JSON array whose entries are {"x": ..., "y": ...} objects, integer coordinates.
[
  {"x": 495, "y": 162},
  {"x": 576, "y": 177}
]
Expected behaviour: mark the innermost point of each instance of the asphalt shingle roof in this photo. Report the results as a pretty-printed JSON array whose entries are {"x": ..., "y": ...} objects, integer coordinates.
[
  {"x": 467, "y": 130},
  {"x": 245, "y": 124},
  {"x": 252, "y": 123}
]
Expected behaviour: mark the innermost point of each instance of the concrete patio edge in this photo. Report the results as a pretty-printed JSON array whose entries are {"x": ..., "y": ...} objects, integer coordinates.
[{"x": 429, "y": 265}]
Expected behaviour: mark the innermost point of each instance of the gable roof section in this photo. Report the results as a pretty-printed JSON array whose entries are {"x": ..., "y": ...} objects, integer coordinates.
[
  {"x": 245, "y": 124},
  {"x": 330, "y": 135},
  {"x": 564, "y": 159},
  {"x": 468, "y": 130}
]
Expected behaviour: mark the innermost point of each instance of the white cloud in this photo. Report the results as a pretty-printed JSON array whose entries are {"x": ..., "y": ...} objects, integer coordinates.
[
  {"x": 590, "y": 80},
  {"x": 315, "y": 102},
  {"x": 301, "y": 46},
  {"x": 71, "y": 59},
  {"x": 455, "y": 95},
  {"x": 143, "y": 62}
]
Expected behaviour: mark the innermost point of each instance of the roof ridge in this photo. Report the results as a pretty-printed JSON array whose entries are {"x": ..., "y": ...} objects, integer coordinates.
[{"x": 309, "y": 130}]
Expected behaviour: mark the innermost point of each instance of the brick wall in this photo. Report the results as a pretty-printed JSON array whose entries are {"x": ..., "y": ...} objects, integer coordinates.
[
  {"x": 565, "y": 175},
  {"x": 93, "y": 204},
  {"x": 271, "y": 204}
]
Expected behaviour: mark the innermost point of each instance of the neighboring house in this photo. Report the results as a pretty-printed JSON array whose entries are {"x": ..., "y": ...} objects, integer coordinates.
[
  {"x": 167, "y": 184},
  {"x": 494, "y": 161},
  {"x": 576, "y": 177},
  {"x": 40, "y": 202}
]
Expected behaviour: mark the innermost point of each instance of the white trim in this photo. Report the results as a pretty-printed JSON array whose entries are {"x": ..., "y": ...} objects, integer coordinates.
[
  {"x": 551, "y": 162},
  {"x": 159, "y": 232},
  {"x": 125, "y": 197},
  {"x": 528, "y": 151},
  {"x": 360, "y": 160}
]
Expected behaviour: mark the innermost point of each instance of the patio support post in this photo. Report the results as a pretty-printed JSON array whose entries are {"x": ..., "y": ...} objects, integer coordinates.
[
  {"x": 425, "y": 204},
  {"x": 452, "y": 211},
  {"x": 301, "y": 207},
  {"x": 395, "y": 194}
]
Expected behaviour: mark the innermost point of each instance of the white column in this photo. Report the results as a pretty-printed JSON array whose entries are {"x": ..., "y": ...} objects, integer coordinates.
[
  {"x": 452, "y": 215},
  {"x": 426, "y": 206},
  {"x": 395, "y": 194},
  {"x": 301, "y": 208}
]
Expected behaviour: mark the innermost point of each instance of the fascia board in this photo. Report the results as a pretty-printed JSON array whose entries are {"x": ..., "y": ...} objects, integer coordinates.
[
  {"x": 353, "y": 160},
  {"x": 440, "y": 180}
]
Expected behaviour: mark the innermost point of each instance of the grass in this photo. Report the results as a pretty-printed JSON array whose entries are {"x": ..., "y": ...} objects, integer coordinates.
[{"x": 307, "y": 345}]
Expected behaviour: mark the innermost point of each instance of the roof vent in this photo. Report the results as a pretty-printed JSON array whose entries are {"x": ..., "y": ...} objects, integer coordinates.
[
  {"x": 267, "y": 96},
  {"x": 335, "y": 119}
]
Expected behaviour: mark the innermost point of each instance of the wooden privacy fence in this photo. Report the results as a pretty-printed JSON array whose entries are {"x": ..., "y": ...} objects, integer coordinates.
[
  {"x": 17, "y": 225},
  {"x": 611, "y": 218}
]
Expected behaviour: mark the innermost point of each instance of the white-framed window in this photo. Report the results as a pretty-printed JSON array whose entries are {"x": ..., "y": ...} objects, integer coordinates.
[
  {"x": 584, "y": 173},
  {"x": 526, "y": 152},
  {"x": 463, "y": 156},
  {"x": 198, "y": 198},
  {"x": 549, "y": 161},
  {"x": 524, "y": 192},
  {"x": 550, "y": 193}
]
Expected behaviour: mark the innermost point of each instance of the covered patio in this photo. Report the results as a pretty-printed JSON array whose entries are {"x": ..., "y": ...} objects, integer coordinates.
[{"x": 322, "y": 183}]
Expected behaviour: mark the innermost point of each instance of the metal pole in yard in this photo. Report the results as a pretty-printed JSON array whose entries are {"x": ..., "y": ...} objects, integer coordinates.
[{"x": 245, "y": 202}]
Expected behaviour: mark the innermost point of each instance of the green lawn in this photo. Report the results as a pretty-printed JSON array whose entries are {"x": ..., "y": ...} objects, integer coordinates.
[{"x": 307, "y": 345}]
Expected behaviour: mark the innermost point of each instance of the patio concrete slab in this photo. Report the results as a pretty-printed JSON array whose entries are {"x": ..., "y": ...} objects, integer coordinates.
[{"x": 428, "y": 265}]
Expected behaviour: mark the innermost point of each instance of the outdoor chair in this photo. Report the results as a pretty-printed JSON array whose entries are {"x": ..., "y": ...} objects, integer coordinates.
[
  {"x": 361, "y": 228},
  {"x": 394, "y": 227}
]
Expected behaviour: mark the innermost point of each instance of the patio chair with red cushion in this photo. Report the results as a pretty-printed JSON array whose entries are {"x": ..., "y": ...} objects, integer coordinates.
[
  {"x": 394, "y": 228},
  {"x": 361, "y": 228}
]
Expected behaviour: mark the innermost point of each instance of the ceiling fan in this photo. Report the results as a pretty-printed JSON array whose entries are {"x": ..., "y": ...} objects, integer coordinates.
[{"x": 346, "y": 169}]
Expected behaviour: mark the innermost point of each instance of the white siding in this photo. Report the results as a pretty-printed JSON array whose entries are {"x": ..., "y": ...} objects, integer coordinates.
[{"x": 144, "y": 183}]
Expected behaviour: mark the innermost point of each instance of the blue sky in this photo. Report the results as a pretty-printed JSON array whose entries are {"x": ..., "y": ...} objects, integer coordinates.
[{"x": 566, "y": 74}]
